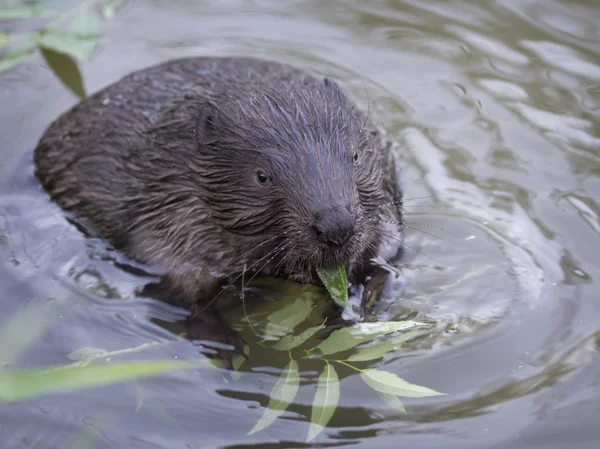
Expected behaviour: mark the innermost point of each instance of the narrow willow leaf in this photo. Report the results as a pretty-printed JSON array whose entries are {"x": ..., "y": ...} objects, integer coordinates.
[
  {"x": 393, "y": 402},
  {"x": 326, "y": 401},
  {"x": 284, "y": 321},
  {"x": 14, "y": 58},
  {"x": 65, "y": 68},
  {"x": 17, "y": 385},
  {"x": 67, "y": 43},
  {"x": 389, "y": 383},
  {"x": 109, "y": 7},
  {"x": 85, "y": 27},
  {"x": 292, "y": 341},
  {"x": 85, "y": 353},
  {"x": 4, "y": 39},
  {"x": 350, "y": 337},
  {"x": 21, "y": 11},
  {"x": 336, "y": 284},
  {"x": 377, "y": 351},
  {"x": 282, "y": 395}
]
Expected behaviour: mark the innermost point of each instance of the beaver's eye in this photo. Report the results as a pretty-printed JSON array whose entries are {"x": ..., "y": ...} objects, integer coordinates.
[
  {"x": 261, "y": 177},
  {"x": 355, "y": 157}
]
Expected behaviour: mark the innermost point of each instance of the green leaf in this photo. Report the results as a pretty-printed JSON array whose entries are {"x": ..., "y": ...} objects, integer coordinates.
[
  {"x": 292, "y": 341},
  {"x": 21, "y": 11},
  {"x": 350, "y": 337},
  {"x": 67, "y": 43},
  {"x": 336, "y": 283},
  {"x": 377, "y": 351},
  {"x": 86, "y": 29},
  {"x": 284, "y": 321},
  {"x": 65, "y": 68},
  {"x": 14, "y": 58},
  {"x": 282, "y": 395},
  {"x": 389, "y": 383},
  {"x": 4, "y": 39},
  {"x": 393, "y": 402},
  {"x": 326, "y": 401},
  {"x": 85, "y": 353},
  {"x": 109, "y": 7},
  {"x": 17, "y": 385}
]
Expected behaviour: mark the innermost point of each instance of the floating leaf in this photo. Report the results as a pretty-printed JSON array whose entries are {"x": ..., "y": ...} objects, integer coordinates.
[
  {"x": 349, "y": 337},
  {"x": 86, "y": 353},
  {"x": 17, "y": 385},
  {"x": 284, "y": 321},
  {"x": 67, "y": 43},
  {"x": 14, "y": 58},
  {"x": 326, "y": 401},
  {"x": 336, "y": 283},
  {"x": 393, "y": 402},
  {"x": 389, "y": 383},
  {"x": 109, "y": 7},
  {"x": 283, "y": 394},
  {"x": 292, "y": 341},
  {"x": 379, "y": 350},
  {"x": 86, "y": 29},
  {"x": 4, "y": 39},
  {"x": 21, "y": 11},
  {"x": 65, "y": 68}
]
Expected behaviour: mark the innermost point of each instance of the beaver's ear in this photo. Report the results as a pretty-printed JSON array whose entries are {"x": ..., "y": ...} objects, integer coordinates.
[{"x": 206, "y": 128}]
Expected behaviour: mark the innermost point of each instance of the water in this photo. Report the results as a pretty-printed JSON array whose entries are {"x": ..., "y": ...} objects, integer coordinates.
[{"x": 494, "y": 107}]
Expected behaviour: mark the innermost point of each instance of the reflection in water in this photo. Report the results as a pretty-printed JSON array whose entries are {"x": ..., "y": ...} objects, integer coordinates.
[{"x": 493, "y": 106}]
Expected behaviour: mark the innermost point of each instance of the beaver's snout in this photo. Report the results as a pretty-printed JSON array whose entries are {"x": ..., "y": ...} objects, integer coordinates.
[{"x": 334, "y": 226}]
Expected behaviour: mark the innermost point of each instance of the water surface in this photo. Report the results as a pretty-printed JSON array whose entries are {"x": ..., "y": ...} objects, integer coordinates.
[{"x": 494, "y": 107}]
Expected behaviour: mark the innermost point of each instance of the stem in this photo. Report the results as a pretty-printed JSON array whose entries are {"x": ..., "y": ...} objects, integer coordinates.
[{"x": 344, "y": 363}]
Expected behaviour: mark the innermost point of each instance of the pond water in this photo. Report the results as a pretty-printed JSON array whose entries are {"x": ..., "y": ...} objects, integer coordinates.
[{"x": 495, "y": 110}]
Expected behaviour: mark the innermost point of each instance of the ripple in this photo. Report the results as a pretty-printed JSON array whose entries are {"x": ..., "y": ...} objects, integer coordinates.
[{"x": 563, "y": 57}]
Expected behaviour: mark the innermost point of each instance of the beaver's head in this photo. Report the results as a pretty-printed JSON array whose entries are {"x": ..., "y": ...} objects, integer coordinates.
[{"x": 290, "y": 170}]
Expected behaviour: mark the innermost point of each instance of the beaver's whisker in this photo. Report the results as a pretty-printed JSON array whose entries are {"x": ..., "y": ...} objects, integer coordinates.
[
  {"x": 233, "y": 280},
  {"x": 402, "y": 242},
  {"x": 257, "y": 272},
  {"x": 258, "y": 246},
  {"x": 422, "y": 232},
  {"x": 243, "y": 298}
]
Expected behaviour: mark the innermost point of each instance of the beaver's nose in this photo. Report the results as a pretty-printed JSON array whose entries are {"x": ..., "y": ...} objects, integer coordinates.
[{"x": 334, "y": 226}]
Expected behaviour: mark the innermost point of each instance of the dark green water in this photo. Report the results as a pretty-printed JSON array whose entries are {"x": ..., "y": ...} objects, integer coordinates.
[{"x": 495, "y": 107}]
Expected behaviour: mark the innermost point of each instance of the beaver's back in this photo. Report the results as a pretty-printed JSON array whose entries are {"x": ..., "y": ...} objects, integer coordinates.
[
  {"x": 93, "y": 161},
  {"x": 137, "y": 101}
]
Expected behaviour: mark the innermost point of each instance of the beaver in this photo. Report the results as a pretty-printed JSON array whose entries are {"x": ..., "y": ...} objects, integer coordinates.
[{"x": 207, "y": 167}]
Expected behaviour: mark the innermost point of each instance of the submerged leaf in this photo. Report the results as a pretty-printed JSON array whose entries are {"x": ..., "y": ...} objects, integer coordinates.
[
  {"x": 336, "y": 284},
  {"x": 85, "y": 353},
  {"x": 292, "y": 341},
  {"x": 21, "y": 11},
  {"x": 379, "y": 350},
  {"x": 326, "y": 401},
  {"x": 350, "y": 337},
  {"x": 393, "y": 402},
  {"x": 4, "y": 39},
  {"x": 390, "y": 383},
  {"x": 14, "y": 58},
  {"x": 17, "y": 385},
  {"x": 65, "y": 68},
  {"x": 282, "y": 395},
  {"x": 284, "y": 321}
]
